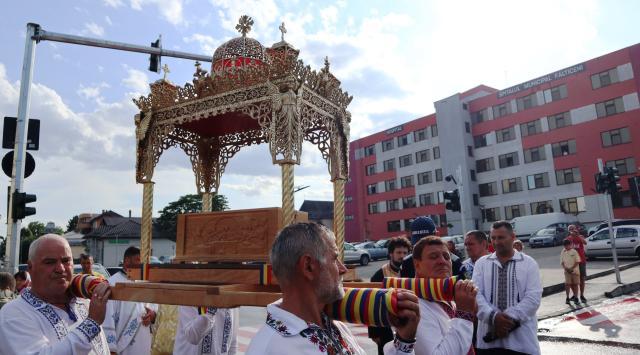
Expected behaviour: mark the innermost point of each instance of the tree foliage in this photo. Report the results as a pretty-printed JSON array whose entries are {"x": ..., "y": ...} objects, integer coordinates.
[
  {"x": 167, "y": 221},
  {"x": 72, "y": 224}
]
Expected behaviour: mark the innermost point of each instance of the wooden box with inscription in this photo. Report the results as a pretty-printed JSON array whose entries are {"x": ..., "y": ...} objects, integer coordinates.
[{"x": 229, "y": 236}]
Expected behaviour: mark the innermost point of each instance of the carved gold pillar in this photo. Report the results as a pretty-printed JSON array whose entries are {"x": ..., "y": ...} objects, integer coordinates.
[
  {"x": 288, "y": 210},
  {"x": 207, "y": 202},
  {"x": 146, "y": 226},
  {"x": 338, "y": 214}
]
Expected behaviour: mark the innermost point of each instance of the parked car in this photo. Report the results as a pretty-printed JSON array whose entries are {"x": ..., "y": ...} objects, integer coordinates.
[
  {"x": 383, "y": 243},
  {"x": 627, "y": 242},
  {"x": 354, "y": 255},
  {"x": 458, "y": 241},
  {"x": 374, "y": 251},
  {"x": 617, "y": 222},
  {"x": 548, "y": 237},
  {"x": 77, "y": 269},
  {"x": 525, "y": 226}
]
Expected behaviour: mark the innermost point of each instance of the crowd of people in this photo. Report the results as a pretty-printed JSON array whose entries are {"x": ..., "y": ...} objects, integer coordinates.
[{"x": 493, "y": 311}]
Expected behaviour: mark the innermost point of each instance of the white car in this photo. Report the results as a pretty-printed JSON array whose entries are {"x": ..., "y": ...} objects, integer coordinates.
[
  {"x": 627, "y": 242},
  {"x": 355, "y": 255}
]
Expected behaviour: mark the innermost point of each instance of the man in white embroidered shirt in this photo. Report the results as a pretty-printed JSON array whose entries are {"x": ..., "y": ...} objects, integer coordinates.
[
  {"x": 306, "y": 262},
  {"x": 445, "y": 328},
  {"x": 206, "y": 330},
  {"x": 509, "y": 294},
  {"x": 46, "y": 319}
]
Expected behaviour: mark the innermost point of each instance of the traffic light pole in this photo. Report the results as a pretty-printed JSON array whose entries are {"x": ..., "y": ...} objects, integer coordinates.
[
  {"x": 463, "y": 223},
  {"x": 608, "y": 202},
  {"x": 12, "y": 252}
]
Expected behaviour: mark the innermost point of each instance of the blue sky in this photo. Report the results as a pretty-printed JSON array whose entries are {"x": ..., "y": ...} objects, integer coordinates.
[{"x": 395, "y": 57}]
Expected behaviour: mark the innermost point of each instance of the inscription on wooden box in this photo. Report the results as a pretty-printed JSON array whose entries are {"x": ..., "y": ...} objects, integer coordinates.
[{"x": 240, "y": 235}]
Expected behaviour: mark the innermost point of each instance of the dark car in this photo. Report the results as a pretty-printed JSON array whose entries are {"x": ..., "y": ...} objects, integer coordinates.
[{"x": 548, "y": 237}]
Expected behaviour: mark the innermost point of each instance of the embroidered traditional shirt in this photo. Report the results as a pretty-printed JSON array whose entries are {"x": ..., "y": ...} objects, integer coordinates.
[
  {"x": 214, "y": 332},
  {"x": 29, "y": 325},
  {"x": 285, "y": 333},
  {"x": 442, "y": 330},
  {"x": 519, "y": 294},
  {"x": 466, "y": 270}
]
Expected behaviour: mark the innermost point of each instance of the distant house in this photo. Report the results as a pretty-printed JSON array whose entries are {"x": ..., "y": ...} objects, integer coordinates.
[
  {"x": 319, "y": 211},
  {"x": 76, "y": 241},
  {"x": 111, "y": 234}
]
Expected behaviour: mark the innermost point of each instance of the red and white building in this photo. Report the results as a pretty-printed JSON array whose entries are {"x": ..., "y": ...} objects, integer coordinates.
[{"x": 527, "y": 149}]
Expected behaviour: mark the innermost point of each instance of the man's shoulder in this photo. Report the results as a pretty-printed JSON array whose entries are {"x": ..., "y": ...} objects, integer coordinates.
[
  {"x": 264, "y": 342},
  {"x": 14, "y": 309}
]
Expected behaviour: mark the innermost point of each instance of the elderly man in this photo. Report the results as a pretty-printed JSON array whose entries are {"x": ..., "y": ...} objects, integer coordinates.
[
  {"x": 128, "y": 323},
  {"x": 46, "y": 319},
  {"x": 306, "y": 262},
  {"x": 86, "y": 261},
  {"x": 509, "y": 294},
  {"x": 445, "y": 328}
]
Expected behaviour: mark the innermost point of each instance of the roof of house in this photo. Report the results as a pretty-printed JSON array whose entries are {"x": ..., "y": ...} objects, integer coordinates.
[
  {"x": 318, "y": 209},
  {"x": 120, "y": 227}
]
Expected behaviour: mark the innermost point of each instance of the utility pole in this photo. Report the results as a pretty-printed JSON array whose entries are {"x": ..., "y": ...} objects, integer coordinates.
[
  {"x": 609, "y": 206},
  {"x": 461, "y": 191}
]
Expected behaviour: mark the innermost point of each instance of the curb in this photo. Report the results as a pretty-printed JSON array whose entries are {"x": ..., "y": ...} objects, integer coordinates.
[{"x": 553, "y": 289}]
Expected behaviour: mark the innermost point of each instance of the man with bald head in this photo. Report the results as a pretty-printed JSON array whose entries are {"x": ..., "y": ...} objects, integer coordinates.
[{"x": 46, "y": 318}]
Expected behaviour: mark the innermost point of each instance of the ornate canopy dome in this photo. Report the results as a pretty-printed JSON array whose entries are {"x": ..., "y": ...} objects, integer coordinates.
[{"x": 241, "y": 50}]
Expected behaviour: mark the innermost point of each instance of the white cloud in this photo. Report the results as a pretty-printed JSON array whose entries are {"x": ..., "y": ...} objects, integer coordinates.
[
  {"x": 93, "y": 28},
  {"x": 207, "y": 43},
  {"x": 91, "y": 92},
  {"x": 136, "y": 80},
  {"x": 107, "y": 19},
  {"x": 170, "y": 10},
  {"x": 265, "y": 14},
  {"x": 113, "y": 3}
]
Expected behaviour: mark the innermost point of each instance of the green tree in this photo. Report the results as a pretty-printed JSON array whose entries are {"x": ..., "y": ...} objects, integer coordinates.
[
  {"x": 192, "y": 203},
  {"x": 27, "y": 236},
  {"x": 36, "y": 228},
  {"x": 72, "y": 224}
]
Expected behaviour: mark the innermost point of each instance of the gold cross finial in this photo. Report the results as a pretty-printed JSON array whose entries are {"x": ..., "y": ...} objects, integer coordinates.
[
  {"x": 244, "y": 25},
  {"x": 283, "y": 30},
  {"x": 326, "y": 63},
  {"x": 165, "y": 69}
]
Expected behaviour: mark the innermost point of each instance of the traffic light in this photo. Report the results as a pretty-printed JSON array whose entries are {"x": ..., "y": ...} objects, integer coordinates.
[
  {"x": 155, "y": 59},
  {"x": 601, "y": 183},
  {"x": 453, "y": 198},
  {"x": 634, "y": 188},
  {"x": 19, "y": 210},
  {"x": 613, "y": 179}
]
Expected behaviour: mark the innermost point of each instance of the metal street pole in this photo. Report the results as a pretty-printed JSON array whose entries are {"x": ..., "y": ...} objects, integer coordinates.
[
  {"x": 463, "y": 223},
  {"x": 12, "y": 252},
  {"x": 608, "y": 202}
]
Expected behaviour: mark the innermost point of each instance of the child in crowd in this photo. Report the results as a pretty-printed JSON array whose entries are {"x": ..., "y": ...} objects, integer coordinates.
[
  {"x": 518, "y": 245},
  {"x": 569, "y": 259},
  {"x": 23, "y": 281},
  {"x": 7, "y": 288}
]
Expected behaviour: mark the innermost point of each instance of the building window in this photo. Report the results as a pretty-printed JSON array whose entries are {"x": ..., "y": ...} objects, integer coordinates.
[
  {"x": 371, "y": 169},
  {"x": 563, "y": 148},
  {"x": 434, "y": 130},
  {"x": 511, "y": 185},
  {"x": 506, "y": 134},
  {"x": 390, "y": 185},
  {"x": 568, "y": 176},
  {"x": 424, "y": 178},
  {"x": 348, "y": 198},
  {"x": 604, "y": 78},
  {"x": 534, "y": 154},
  {"x": 501, "y": 110},
  {"x": 508, "y": 160},
  {"x": 407, "y": 224},
  {"x": 624, "y": 166},
  {"x": 403, "y": 140},
  {"x": 530, "y": 128},
  {"x": 559, "y": 120},
  {"x": 615, "y": 137},
  {"x": 348, "y": 217},
  {"x": 470, "y": 151},
  {"x": 480, "y": 141},
  {"x": 408, "y": 202},
  {"x": 472, "y": 173},
  {"x": 476, "y": 200},
  {"x": 405, "y": 160},
  {"x": 372, "y": 189},
  {"x": 622, "y": 199},
  {"x": 479, "y": 116},
  {"x": 538, "y": 181},
  {"x": 467, "y": 127},
  {"x": 556, "y": 93},
  {"x": 387, "y": 145},
  {"x": 488, "y": 189},
  {"x": 420, "y": 135},
  {"x": 393, "y": 205},
  {"x": 572, "y": 205},
  {"x": 438, "y": 174},
  {"x": 527, "y": 102},
  {"x": 440, "y": 196},
  {"x": 393, "y": 226},
  {"x": 486, "y": 164},
  {"x": 492, "y": 214},
  {"x": 436, "y": 153},
  {"x": 511, "y": 212},
  {"x": 422, "y": 156},
  {"x": 541, "y": 207},
  {"x": 370, "y": 150},
  {"x": 388, "y": 165},
  {"x": 406, "y": 181},
  {"x": 373, "y": 208},
  {"x": 426, "y": 199},
  {"x": 609, "y": 107}
]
